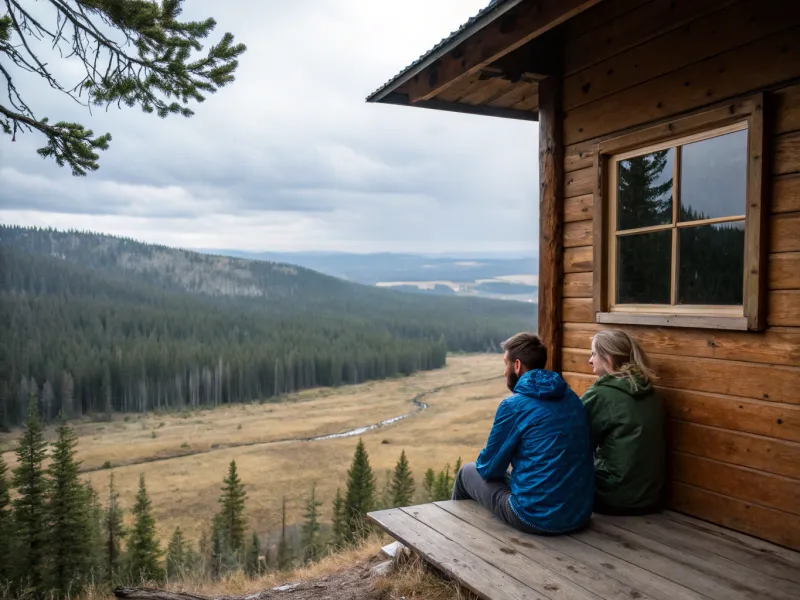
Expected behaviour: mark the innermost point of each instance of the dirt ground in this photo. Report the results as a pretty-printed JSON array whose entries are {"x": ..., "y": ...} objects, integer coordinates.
[{"x": 345, "y": 576}]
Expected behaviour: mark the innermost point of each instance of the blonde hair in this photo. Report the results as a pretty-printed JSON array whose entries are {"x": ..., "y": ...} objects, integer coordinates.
[{"x": 624, "y": 355}]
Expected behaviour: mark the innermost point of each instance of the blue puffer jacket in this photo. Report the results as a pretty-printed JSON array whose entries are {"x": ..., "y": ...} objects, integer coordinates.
[{"x": 542, "y": 432}]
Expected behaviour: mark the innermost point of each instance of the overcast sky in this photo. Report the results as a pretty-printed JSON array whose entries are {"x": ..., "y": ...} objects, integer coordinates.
[{"x": 290, "y": 157}]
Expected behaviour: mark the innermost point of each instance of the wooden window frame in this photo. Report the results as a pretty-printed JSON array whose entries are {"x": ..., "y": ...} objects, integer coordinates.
[{"x": 751, "y": 315}]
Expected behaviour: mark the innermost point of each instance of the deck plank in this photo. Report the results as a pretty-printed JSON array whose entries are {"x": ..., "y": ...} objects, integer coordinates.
[
  {"x": 657, "y": 557},
  {"x": 768, "y": 549},
  {"x": 531, "y": 547},
  {"x": 688, "y": 538},
  {"x": 476, "y": 575},
  {"x": 622, "y": 571},
  {"x": 532, "y": 573},
  {"x": 703, "y": 575}
]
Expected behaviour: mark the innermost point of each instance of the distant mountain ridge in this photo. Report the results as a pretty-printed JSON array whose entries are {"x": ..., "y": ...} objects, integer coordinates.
[{"x": 379, "y": 267}]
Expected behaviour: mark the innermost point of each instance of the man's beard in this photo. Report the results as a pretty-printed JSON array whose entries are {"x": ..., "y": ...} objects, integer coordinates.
[{"x": 511, "y": 380}]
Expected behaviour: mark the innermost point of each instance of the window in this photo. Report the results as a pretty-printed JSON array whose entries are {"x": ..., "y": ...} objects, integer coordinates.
[{"x": 678, "y": 239}]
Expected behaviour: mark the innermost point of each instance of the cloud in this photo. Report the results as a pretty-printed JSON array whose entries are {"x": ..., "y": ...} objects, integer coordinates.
[{"x": 290, "y": 157}]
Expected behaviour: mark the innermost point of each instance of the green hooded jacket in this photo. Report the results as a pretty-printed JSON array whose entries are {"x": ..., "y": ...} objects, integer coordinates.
[{"x": 627, "y": 434}]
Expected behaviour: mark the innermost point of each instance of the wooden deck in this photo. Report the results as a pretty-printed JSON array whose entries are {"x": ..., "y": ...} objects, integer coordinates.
[{"x": 658, "y": 557}]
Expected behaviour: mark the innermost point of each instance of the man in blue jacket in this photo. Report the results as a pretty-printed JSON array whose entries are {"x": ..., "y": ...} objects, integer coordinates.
[{"x": 542, "y": 432}]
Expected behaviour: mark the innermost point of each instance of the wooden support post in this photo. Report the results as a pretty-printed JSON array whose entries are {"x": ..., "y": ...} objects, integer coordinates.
[{"x": 551, "y": 218}]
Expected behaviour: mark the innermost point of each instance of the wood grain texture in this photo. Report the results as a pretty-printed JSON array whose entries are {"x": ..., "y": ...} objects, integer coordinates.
[
  {"x": 579, "y": 183},
  {"x": 578, "y": 233},
  {"x": 765, "y": 523},
  {"x": 756, "y": 242},
  {"x": 728, "y": 579},
  {"x": 786, "y": 154},
  {"x": 578, "y": 208},
  {"x": 765, "y": 489},
  {"x": 697, "y": 539},
  {"x": 784, "y": 271},
  {"x": 707, "y": 36},
  {"x": 540, "y": 572},
  {"x": 551, "y": 219},
  {"x": 577, "y": 285},
  {"x": 579, "y": 156},
  {"x": 780, "y": 346},
  {"x": 784, "y": 308},
  {"x": 584, "y": 565},
  {"x": 578, "y": 259},
  {"x": 786, "y": 194},
  {"x": 786, "y": 109},
  {"x": 469, "y": 570},
  {"x": 500, "y": 37},
  {"x": 767, "y": 62},
  {"x": 736, "y": 448},
  {"x": 770, "y": 551},
  {"x": 733, "y": 378},
  {"x": 578, "y": 310},
  {"x": 635, "y": 27},
  {"x": 784, "y": 233},
  {"x": 770, "y": 419}
]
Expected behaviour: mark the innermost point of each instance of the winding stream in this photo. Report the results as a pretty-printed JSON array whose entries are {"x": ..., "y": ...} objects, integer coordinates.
[{"x": 419, "y": 406}]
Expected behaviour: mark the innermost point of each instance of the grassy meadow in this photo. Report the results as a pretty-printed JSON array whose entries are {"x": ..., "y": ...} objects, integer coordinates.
[{"x": 185, "y": 455}]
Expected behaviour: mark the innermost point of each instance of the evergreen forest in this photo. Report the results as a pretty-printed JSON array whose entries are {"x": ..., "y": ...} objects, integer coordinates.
[
  {"x": 61, "y": 538},
  {"x": 94, "y": 324}
]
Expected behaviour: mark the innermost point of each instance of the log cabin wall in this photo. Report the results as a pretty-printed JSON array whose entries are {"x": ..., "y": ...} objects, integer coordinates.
[{"x": 733, "y": 398}]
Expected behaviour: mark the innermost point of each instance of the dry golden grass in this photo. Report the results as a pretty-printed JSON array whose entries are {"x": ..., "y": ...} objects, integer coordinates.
[
  {"x": 411, "y": 578},
  {"x": 184, "y": 489}
]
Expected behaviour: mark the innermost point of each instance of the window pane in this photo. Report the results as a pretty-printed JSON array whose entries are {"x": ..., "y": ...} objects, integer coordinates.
[
  {"x": 643, "y": 268},
  {"x": 644, "y": 190},
  {"x": 711, "y": 264},
  {"x": 714, "y": 177}
]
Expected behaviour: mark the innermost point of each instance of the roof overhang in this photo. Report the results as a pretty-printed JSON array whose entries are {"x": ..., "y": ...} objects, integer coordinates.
[{"x": 491, "y": 65}]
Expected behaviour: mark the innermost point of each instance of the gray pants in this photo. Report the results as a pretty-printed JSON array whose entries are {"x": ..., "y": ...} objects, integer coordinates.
[{"x": 493, "y": 495}]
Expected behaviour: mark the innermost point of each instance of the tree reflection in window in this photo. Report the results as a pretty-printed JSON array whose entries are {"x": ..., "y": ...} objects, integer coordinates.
[
  {"x": 698, "y": 260},
  {"x": 645, "y": 190}
]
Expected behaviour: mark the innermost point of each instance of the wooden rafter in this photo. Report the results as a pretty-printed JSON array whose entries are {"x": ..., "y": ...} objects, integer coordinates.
[{"x": 506, "y": 34}]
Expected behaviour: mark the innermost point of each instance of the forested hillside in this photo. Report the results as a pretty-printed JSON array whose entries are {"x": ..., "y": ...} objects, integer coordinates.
[{"x": 93, "y": 323}]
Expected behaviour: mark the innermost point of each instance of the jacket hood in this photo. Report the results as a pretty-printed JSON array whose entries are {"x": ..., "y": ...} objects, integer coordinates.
[
  {"x": 541, "y": 384},
  {"x": 643, "y": 389}
]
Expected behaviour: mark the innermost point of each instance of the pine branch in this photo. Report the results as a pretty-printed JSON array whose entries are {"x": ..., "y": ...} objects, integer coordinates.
[
  {"x": 152, "y": 67},
  {"x": 68, "y": 143}
]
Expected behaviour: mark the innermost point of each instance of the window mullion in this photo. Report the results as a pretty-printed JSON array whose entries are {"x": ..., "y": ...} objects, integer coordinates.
[{"x": 676, "y": 200}]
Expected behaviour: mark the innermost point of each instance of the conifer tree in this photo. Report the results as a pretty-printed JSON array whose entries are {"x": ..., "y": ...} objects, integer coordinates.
[
  {"x": 204, "y": 553},
  {"x": 385, "y": 497},
  {"x": 457, "y": 468},
  {"x": 428, "y": 485},
  {"x": 6, "y": 526},
  {"x": 30, "y": 516},
  {"x": 144, "y": 553},
  {"x": 360, "y": 496},
  {"x": 312, "y": 548},
  {"x": 69, "y": 543},
  {"x": 402, "y": 489},
  {"x": 284, "y": 557},
  {"x": 96, "y": 557},
  {"x": 443, "y": 488},
  {"x": 339, "y": 521},
  {"x": 251, "y": 563},
  {"x": 177, "y": 554},
  {"x": 113, "y": 532},
  {"x": 231, "y": 516}
]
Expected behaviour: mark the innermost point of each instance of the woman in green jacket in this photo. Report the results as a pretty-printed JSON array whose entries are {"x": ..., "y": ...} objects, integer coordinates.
[{"x": 626, "y": 420}]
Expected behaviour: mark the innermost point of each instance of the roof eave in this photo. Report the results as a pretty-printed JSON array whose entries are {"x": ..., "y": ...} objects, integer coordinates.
[
  {"x": 401, "y": 99},
  {"x": 489, "y": 16}
]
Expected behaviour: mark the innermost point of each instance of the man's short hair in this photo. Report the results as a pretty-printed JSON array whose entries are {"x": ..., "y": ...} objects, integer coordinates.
[{"x": 528, "y": 349}]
